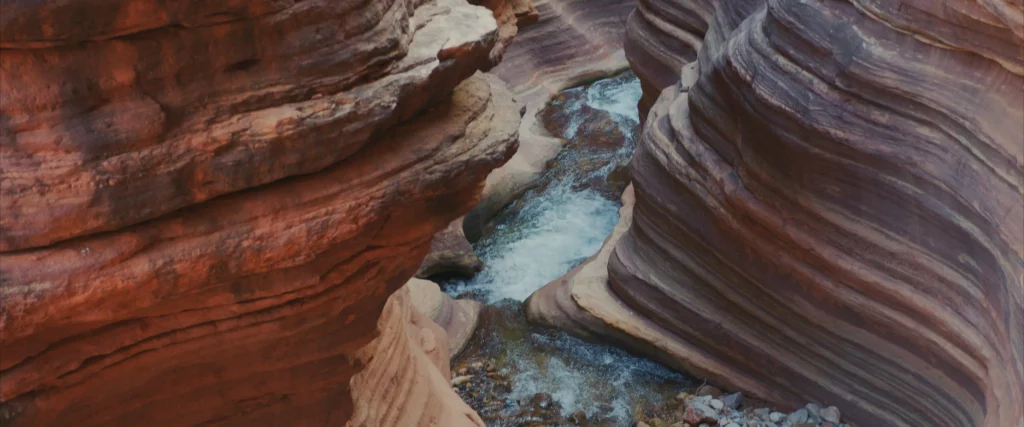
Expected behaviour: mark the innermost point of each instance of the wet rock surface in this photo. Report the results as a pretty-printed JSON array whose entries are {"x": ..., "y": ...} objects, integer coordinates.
[
  {"x": 450, "y": 253},
  {"x": 595, "y": 136},
  {"x": 489, "y": 393},
  {"x": 515, "y": 374},
  {"x": 565, "y": 216},
  {"x": 704, "y": 409}
]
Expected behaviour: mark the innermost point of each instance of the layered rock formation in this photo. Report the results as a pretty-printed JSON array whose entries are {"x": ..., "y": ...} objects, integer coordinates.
[
  {"x": 206, "y": 205},
  {"x": 571, "y": 41},
  {"x": 830, "y": 208},
  {"x": 661, "y": 37}
]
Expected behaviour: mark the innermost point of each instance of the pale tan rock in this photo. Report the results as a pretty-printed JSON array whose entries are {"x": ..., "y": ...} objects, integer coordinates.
[
  {"x": 457, "y": 317},
  {"x": 406, "y": 379}
]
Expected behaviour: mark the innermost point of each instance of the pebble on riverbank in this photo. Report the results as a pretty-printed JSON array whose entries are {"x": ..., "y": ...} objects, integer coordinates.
[
  {"x": 709, "y": 407},
  {"x": 486, "y": 389}
]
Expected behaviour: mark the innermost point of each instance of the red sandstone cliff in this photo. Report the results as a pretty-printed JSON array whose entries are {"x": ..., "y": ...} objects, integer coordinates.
[
  {"x": 829, "y": 207},
  {"x": 205, "y": 205}
]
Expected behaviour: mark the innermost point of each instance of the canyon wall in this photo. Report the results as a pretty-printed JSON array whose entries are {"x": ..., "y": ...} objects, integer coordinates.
[
  {"x": 570, "y": 42},
  {"x": 829, "y": 208},
  {"x": 206, "y": 205},
  {"x": 661, "y": 37}
]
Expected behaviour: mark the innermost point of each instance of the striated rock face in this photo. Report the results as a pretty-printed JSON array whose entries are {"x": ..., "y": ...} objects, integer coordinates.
[
  {"x": 205, "y": 207},
  {"x": 830, "y": 208},
  {"x": 661, "y": 37},
  {"x": 572, "y": 41}
]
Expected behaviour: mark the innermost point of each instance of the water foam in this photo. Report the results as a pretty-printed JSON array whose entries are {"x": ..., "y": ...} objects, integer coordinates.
[
  {"x": 556, "y": 226},
  {"x": 547, "y": 238},
  {"x": 618, "y": 96},
  {"x": 596, "y": 379}
]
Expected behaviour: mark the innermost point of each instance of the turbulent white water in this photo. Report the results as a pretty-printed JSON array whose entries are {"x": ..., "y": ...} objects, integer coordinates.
[
  {"x": 618, "y": 97},
  {"x": 547, "y": 232},
  {"x": 556, "y": 225},
  {"x": 593, "y": 378},
  {"x": 547, "y": 238}
]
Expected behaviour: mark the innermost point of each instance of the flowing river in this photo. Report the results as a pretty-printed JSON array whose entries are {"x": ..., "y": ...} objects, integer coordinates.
[{"x": 539, "y": 375}]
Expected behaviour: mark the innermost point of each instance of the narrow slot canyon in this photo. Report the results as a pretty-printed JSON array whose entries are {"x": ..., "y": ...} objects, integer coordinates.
[{"x": 512, "y": 213}]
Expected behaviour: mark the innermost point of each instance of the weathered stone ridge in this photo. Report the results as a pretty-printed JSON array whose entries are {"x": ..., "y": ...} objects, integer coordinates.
[
  {"x": 833, "y": 213},
  {"x": 205, "y": 207},
  {"x": 150, "y": 117},
  {"x": 88, "y": 323},
  {"x": 830, "y": 208}
]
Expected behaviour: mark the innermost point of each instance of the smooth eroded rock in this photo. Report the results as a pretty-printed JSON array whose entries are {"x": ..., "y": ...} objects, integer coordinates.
[
  {"x": 458, "y": 318},
  {"x": 451, "y": 253},
  {"x": 830, "y": 208},
  {"x": 661, "y": 37}
]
